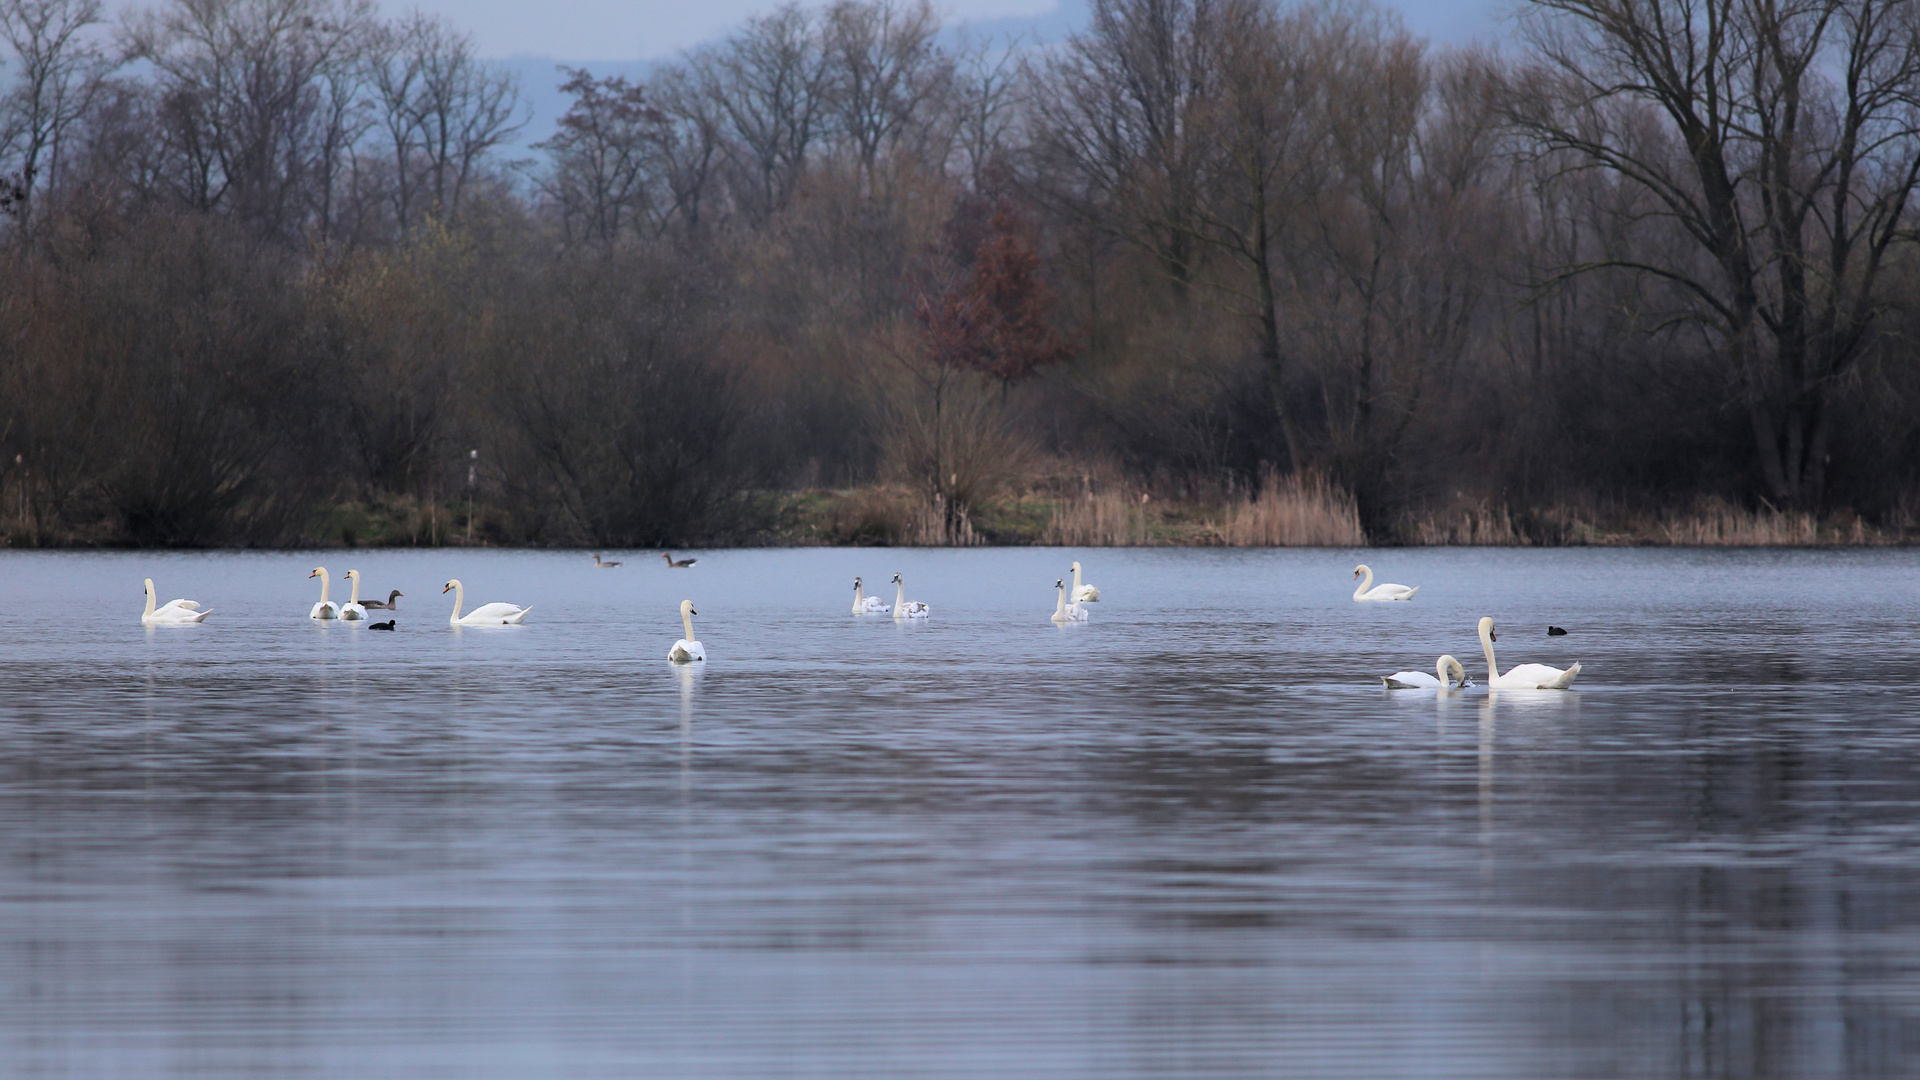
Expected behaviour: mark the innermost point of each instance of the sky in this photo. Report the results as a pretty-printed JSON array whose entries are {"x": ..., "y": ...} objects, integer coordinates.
[
  {"x": 534, "y": 38},
  {"x": 640, "y": 30}
]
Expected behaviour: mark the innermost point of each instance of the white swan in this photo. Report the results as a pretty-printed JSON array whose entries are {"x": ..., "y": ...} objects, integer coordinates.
[
  {"x": 1063, "y": 611},
  {"x": 1369, "y": 591},
  {"x": 867, "y": 605},
  {"x": 351, "y": 610},
  {"x": 495, "y": 614},
  {"x": 687, "y": 649},
  {"x": 904, "y": 608},
  {"x": 1523, "y": 676},
  {"x": 1083, "y": 594},
  {"x": 173, "y": 612},
  {"x": 1447, "y": 672},
  {"x": 325, "y": 609}
]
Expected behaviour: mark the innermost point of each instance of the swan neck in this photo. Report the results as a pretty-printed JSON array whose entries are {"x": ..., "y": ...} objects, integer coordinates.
[
  {"x": 1076, "y": 577},
  {"x": 1365, "y": 584},
  {"x": 1486, "y": 645},
  {"x": 149, "y": 610},
  {"x": 686, "y": 621},
  {"x": 459, "y": 600},
  {"x": 1060, "y": 604},
  {"x": 355, "y": 598},
  {"x": 323, "y": 584}
]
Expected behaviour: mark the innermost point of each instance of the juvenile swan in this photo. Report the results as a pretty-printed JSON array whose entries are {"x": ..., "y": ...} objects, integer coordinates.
[
  {"x": 1367, "y": 590},
  {"x": 495, "y": 614},
  {"x": 1083, "y": 594},
  {"x": 867, "y": 605},
  {"x": 351, "y": 610},
  {"x": 172, "y": 613},
  {"x": 1447, "y": 672},
  {"x": 1063, "y": 611},
  {"x": 904, "y": 608},
  {"x": 325, "y": 609},
  {"x": 1522, "y": 676},
  {"x": 687, "y": 649}
]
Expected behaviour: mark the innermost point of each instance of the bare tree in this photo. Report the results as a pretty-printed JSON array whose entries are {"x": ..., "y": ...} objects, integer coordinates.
[
  {"x": 690, "y": 149},
  {"x": 1196, "y": 122},
  {"x": 1782, "y": 141},
  {"x": 771, "y": 84},
  {"x": 600, "y": 155},
  {"x": 243, "y": 99},
  {"x": 442, "y": 111},
  {"x": 888, "y": 77},
  {"x": 989, "y": 93},
  {"x": 1116, "y": 127},
  {"x": 60, "y": 68}
]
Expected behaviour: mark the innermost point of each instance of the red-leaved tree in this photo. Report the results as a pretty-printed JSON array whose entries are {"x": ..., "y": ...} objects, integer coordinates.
[{"x": 993, "y": 320}]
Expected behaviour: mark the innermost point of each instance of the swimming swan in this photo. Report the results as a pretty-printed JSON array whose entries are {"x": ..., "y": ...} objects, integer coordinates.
[
  {"x": 687, "y": 649},
  {"x": 173, "y": 612},
  {"x": 1083, "y": 594},
  {"x": 1063, "y": 611},
  {"x": 1523, "y": 676},
  {"x": 904, "y": 608},
  {"x": 867, "y": 605},
  {"x": 325, "y": 609},
  {"x": 495, "y": 614},
  {"x": 1447, "y": 673},
  {"x": 1369, "y": 591},
  {"x": 351, "y": 610}
]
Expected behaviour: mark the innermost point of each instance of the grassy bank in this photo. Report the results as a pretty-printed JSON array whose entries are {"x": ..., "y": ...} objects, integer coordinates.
[{"x": 1286, "y": 512}]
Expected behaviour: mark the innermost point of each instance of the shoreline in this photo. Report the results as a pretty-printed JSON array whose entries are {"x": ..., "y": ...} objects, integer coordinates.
[{"x": 879, "y": 516}]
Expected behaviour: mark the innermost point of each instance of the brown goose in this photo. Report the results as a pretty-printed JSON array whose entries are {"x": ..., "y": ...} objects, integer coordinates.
[{"x": 389, "y": 605}]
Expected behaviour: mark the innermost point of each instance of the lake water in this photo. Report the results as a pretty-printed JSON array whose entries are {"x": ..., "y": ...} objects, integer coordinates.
[{"x": 1192, "y": 838}]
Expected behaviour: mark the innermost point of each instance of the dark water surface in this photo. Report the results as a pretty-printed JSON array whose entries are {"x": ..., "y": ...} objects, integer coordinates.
[{"x": 1193, "y": 838}]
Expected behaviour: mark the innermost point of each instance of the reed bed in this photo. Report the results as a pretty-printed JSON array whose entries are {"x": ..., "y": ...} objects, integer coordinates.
[
  {"x": 1299, "y": 510},
  {"x": 1101, "y": 519},
  {"x": 1486, "y": 524},
  {"x": 1718, "y": 524}
]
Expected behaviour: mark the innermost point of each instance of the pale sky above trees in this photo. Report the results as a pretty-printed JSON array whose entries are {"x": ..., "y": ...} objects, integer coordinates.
[{"x": 578, "y": 30}]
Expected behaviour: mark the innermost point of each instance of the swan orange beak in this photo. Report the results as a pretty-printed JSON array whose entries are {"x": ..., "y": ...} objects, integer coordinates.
[{"x": 448, "y": 589}]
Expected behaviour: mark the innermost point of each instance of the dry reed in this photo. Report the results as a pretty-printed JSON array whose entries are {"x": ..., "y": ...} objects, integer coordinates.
[
  {"x": 927, "y": 524},
  {"x": 1103, "y": 519},
  {"x": 1294, "y": 511},
  {"x": 1485, "y": 524},
  {"x": 1718, "y": 524}
]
